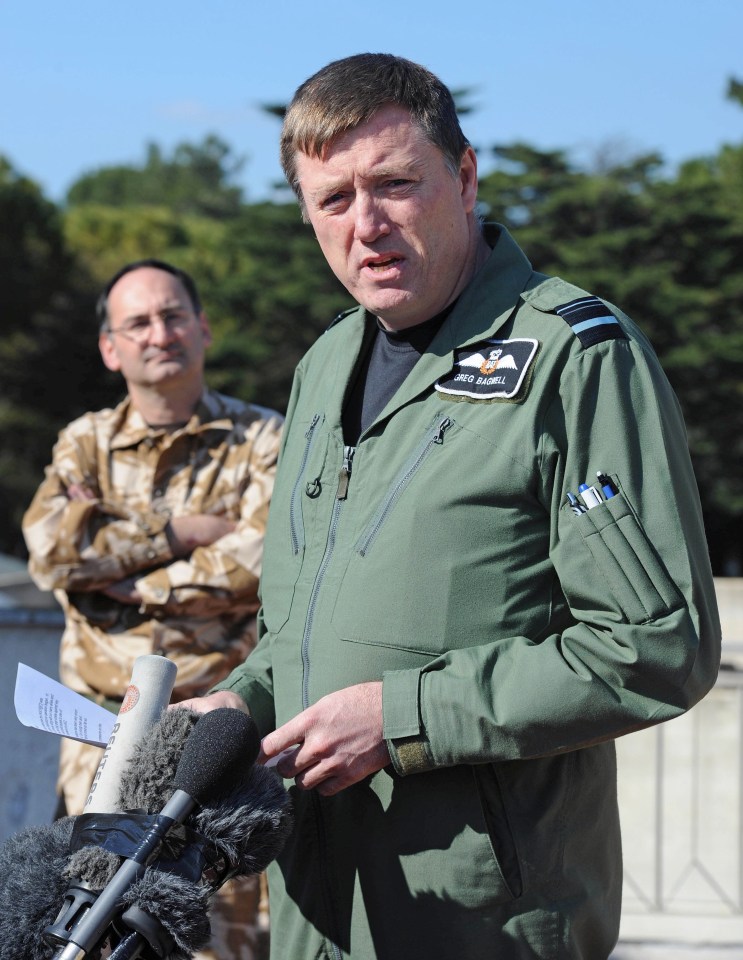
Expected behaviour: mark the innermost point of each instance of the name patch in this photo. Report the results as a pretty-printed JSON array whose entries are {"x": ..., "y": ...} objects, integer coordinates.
[{"x": 491, "y": 370}]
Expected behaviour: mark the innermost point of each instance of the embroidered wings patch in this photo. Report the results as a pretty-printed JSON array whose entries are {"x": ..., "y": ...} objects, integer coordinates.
[{"x": 491, "y": 370}]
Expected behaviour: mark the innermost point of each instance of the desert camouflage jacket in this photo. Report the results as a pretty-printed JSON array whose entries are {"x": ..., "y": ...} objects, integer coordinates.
[{"x": 198, "y": 611}]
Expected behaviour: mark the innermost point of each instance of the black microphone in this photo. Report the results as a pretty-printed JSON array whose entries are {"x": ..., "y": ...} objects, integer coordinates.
[
  {"x": 223, "y": 743},
  {"x": 51, "y": 874}
]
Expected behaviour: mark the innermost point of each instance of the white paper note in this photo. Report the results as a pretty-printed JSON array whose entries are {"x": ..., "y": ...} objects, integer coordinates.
[{"x": 46, "y": 704}]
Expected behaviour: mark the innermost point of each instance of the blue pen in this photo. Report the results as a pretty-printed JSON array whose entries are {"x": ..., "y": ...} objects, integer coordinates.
[
  {"x": 575, "y": 505},
  {"x": 607, "y": 485},
  {"x": 589, "y": 496}
]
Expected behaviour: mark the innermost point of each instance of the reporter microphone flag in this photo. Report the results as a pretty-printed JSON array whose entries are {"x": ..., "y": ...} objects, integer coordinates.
[{"x": 145, "y": 699}]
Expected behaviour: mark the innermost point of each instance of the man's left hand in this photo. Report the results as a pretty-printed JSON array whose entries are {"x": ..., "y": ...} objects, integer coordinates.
[
  {"x": 123, "y": 591},
  {"x": 337, "y": 741}
]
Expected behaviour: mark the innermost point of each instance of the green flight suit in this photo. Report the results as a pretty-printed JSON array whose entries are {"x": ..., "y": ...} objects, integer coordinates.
[{"x": 514, "y": 637}]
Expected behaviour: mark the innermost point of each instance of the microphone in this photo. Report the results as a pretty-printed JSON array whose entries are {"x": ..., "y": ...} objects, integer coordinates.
[
  {"x": 32, "y": 886},
  {"x": 50, "y": 874},
  {"x": 223, "y": 743},
  {"x": 145, "y": 699}
]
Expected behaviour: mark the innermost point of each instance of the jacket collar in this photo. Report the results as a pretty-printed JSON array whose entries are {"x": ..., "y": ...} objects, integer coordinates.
[
  {"x": 131, "y": 427},
  {"x": 481, "y": 310}
]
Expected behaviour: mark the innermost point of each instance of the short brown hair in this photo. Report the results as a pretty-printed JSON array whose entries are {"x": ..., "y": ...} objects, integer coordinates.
[
  {"x": 101, "y": 307},
  {"x": 346, "y": 93}
]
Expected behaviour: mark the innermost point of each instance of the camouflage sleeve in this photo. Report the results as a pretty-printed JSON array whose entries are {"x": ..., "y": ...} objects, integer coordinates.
[
  {"x": 213, "y": 578},
  {"x": 86, "y": 544}
]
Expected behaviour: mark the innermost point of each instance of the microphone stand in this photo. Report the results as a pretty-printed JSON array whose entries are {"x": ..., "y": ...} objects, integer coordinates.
[
  {"x": 91, "y": 927},
  {"x": 223, "y": 743},
  {"x": 135, "y": 942},
  {"x": 129, "y": 948}
]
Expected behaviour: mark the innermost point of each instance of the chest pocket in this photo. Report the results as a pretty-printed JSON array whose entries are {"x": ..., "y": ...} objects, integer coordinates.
[{"x": 419, "y": 573}]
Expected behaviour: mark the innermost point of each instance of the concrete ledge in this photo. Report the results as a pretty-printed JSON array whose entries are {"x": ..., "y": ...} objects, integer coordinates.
[
  {"x": 729, "y": 592},
  {"x": 694, "y": 931},
  {"x": 675, "y": 951}
]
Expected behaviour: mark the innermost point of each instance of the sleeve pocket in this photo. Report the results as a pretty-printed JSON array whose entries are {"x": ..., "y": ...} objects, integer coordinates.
[{"x": 622, "y": 552}]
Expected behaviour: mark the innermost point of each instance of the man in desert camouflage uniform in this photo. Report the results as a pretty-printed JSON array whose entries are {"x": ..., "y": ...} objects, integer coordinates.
[{"x": 149, "y": 527}]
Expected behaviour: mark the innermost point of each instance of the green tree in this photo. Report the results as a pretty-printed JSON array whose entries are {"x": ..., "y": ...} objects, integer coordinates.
[
  {"x": 104, "y": 238},
  {"x": 735, "y": 90},
  {"x": 270, "y": 294},
  {"x": 46, "y": 350},
  {"x": 266, "y": 287},
  {"x": 668, "y": 251},
  {"x": 196, "y": 179},
  {"x": 666, "y": 248}
]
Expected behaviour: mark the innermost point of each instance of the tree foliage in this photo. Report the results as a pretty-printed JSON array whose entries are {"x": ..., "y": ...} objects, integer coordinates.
[
  {"x": 669, "y": 252},
  {"x": 196, "y": 179},
  {"x": 48, "y": 364},
  {"x": 270, "y": 299},
  {"x": 667, "y": 248}
]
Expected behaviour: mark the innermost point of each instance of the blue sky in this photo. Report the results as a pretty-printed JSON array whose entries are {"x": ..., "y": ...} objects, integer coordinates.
[{"x": 88, "y": 83}]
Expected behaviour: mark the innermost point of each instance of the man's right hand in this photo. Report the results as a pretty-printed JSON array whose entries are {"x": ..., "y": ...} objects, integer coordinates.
[
  {"x": 79, "y": 492},
  {"x": 199, "y": 530}
]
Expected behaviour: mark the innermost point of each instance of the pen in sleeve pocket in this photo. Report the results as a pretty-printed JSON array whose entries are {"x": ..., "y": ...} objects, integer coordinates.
[
  {"x": 607, "y": 485},
  {"x": 575, "y": 505},
  {"x": 589, "y": 496}
]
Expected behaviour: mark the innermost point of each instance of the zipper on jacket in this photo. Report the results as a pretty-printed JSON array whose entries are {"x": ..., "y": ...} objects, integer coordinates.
[
  {"x": 434, "y": 438},
  {"x": 295, "y": 509},
  {"x": 344, "y": 477}
]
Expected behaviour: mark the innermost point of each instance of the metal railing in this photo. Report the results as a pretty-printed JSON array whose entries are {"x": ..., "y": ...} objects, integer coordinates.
[{"x": 681, "y": 802}]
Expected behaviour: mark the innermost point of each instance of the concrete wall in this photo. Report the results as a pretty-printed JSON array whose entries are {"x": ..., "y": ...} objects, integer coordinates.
[
  {"x": 681, "y": 805},
  {"x": 681, "y": 802},
  {"x": 28, "y": 758}
]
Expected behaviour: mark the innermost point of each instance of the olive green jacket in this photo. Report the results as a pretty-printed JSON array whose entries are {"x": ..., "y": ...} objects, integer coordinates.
[{"x": 515, "y": 638}]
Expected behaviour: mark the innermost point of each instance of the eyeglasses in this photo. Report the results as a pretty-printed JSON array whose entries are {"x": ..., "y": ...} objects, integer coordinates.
[{"x": 139, "y": 330}]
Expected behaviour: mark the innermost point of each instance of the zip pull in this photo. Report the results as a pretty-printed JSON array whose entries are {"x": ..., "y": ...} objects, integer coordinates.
[
  {"x": 443, "y": 426},
  {"x": 345, "y": 473},
  {"x": 313, "y": 424}
]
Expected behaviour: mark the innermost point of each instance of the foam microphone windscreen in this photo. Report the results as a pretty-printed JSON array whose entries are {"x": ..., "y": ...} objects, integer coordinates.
[
  {"x": 34, "y": 864},
  {"x": 202, "y": 754},
  {"x": 248, "y": 824},
  {"x": 222, "y": 746},
  {"x": 146, "y": 697},
  {"x": 245, "y": 817},
  {"x": 32, "y": 887}
]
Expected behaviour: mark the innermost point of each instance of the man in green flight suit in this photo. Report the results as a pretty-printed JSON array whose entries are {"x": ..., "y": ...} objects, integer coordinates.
[{"x": 448, "y": 643}]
